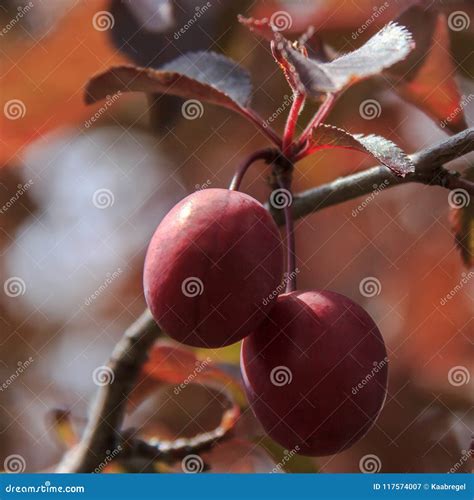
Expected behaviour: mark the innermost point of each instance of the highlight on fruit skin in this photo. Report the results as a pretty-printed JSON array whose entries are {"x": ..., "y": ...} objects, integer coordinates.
[
  {"x": 315, "y": 372},
  {"x": 211, "y": 266}
]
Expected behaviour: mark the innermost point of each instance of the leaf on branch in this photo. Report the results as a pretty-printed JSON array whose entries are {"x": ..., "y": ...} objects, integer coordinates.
[
  {"x": 390, "y": 45},
  {"x": 205, "y": 76},
  {"x": 426, "y": 77},
  {"x": 462, "y": 221},
  {"x": 383, "y": 150}
]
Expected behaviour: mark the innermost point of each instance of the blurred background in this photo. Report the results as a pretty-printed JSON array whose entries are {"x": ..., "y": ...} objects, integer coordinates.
[{"x": 83, "y": 188}]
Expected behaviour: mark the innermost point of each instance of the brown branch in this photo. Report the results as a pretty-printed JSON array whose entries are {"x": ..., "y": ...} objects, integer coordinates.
[{"x": 103, "y": 431}]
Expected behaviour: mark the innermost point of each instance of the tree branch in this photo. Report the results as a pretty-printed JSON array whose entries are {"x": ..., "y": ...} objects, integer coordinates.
[
  {"x": 103, "y": 431},
  {"x": 428, "y": 170}
]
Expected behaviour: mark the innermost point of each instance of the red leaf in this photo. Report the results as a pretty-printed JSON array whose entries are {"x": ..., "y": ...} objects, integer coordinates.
[
  {"x": 204, "y": 76},
  {"x": 390, "y": 45},
  {"x": 383, "y": 150}
]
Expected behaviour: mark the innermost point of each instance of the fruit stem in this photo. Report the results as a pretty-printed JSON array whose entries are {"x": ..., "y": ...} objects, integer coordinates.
[
  {"x": 267, "y": 154},
  {"x": 319, "y": 116},
  {"x": 285, "y": 183},
  {"x": 292, "y": 120}
]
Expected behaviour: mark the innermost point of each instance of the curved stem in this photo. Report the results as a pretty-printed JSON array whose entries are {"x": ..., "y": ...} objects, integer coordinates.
[
  {"x": 267, "y": 154},
  {"x": 290, "y": 237},
  {"x": 288, "y": 135}
]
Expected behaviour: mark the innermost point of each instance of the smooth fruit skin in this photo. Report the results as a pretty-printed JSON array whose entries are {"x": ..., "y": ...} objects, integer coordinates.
[
  {"x": 302, "y": 369},
  {"x": 211, "y": 264}
]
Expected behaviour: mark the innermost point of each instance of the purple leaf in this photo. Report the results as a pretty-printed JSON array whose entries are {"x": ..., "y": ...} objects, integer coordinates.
[
  {"x": 383, "y": 150},
  {"x": 390, "y": 45},
  {"x": 205, "y": 76}
]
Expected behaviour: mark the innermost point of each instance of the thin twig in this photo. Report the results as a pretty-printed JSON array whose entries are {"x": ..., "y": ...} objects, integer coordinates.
[
  {"x": 292, "y": 121},
  {"x": 320, "y": 115},
  {"x": 267, "y": 154},
  {"x": 103, "y": 427}
]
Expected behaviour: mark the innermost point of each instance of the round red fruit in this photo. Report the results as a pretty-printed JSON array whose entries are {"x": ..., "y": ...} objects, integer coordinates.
[
  {"x": 212, "y": 267},
  {"x": 315, "y": 372}
]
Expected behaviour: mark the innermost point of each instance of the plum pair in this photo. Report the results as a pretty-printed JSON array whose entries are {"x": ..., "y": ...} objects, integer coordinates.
[{"x": 314, "y": 363}]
